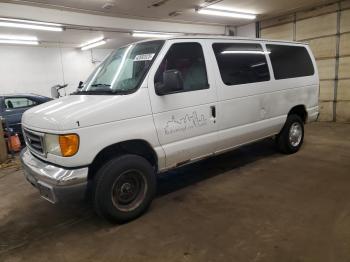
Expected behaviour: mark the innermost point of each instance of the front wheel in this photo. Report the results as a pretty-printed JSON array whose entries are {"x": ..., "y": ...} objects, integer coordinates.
[
  {"x": 291, "y": 137},
  {"x": 124, "y": 188}
]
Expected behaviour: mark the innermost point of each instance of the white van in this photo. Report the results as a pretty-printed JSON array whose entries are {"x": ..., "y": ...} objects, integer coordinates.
[{"x": 155, "y": 105}]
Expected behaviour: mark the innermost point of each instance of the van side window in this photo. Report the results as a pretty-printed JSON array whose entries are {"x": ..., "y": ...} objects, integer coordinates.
[
  {"x": 189, "y": 60},
  {"x": 290, "y": 61},
  {"x": 241, "y": 63}
]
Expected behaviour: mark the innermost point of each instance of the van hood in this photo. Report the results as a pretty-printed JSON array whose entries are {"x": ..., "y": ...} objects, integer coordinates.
[{"x": 77, "y": 111}]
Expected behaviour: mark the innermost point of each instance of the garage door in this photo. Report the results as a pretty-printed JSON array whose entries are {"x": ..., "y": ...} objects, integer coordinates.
[{"x": 327, "y": 30}]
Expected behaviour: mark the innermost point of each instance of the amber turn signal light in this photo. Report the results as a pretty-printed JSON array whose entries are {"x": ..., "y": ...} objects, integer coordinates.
[{"x": 69, "y": 144}]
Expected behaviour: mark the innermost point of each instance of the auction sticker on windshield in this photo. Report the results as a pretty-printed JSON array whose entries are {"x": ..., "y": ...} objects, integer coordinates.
[{"x": 144, "y": 57}]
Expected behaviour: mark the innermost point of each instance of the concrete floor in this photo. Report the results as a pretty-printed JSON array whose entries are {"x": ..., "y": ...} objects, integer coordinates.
[{"x": 252, "y": 204}]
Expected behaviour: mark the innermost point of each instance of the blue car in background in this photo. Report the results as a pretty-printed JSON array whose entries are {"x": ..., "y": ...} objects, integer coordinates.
[{"x": 12, "y": 107}]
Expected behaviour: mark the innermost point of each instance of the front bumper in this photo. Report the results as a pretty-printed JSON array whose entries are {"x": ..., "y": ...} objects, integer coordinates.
[{"x": 55, "y": 184}]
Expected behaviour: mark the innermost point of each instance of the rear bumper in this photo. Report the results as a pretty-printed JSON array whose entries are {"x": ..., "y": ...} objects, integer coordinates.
[{"x": 55, "y": 184}]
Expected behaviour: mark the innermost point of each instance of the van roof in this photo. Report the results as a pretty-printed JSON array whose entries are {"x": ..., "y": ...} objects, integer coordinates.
[{"x": 223, "y": 37}]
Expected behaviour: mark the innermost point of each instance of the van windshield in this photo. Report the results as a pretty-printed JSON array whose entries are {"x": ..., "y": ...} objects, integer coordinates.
[{"x": 124, "y": 69}]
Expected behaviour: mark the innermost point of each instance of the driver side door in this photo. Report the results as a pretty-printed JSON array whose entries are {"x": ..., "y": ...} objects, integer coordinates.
[{"x": 185, "y": 120}]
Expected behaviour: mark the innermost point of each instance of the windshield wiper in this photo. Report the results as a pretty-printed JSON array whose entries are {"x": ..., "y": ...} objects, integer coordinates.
[
  {"x": 94, "y": 92},
  {"x": 101, "y": 92},
  {"x": 95, "y": 85}
]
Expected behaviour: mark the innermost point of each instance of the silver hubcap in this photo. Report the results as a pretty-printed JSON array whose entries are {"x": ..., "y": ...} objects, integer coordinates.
[{"x": 295, "y": 134}]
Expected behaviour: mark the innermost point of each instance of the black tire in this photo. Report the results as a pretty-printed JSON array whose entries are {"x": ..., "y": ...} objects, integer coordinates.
[
  {"x": 124, "y": 188},
  {"x": 289, "y": 145}
]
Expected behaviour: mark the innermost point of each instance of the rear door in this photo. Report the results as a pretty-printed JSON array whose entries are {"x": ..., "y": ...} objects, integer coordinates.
[
  {"x": 244, "y": 85},
  {"x": 186, "y": 120}
]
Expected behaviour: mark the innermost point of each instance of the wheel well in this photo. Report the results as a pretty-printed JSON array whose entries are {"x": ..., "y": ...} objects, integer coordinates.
[
  {"x": 299, "y": 110},
  {"x": 136, "y": 147}
]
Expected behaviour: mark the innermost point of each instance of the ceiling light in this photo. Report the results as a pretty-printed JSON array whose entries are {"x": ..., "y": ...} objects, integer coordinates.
[
  {"x": 18, "y": 42},
  {"x": 27, "y": 24},
  {"x": 146, "y": 34},
  {"x": 92, "y": 45},
  {"x": 217, "y": 12},
  {"x": 92, "y": 41},
  {"x": 19, "y": 37}
]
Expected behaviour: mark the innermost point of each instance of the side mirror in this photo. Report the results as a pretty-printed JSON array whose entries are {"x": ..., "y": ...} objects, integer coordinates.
[
  {"x": 172, "y": 82},
  {"x": 80, "y": 85},
  {"x": 54, "y": 92}
]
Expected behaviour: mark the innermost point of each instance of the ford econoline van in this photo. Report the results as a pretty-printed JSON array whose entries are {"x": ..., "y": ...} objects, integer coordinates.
[{"x": 155, "y": 105}]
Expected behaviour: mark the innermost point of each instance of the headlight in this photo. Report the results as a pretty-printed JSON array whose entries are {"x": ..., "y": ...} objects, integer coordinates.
[
  {"x": 62, "y": 145},
  {"x": 52, "y": 145}
]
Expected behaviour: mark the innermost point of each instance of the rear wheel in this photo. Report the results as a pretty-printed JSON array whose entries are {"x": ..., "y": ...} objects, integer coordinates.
[
  {"x": 291, "y": 137},
  {"x": 124, "y": 188}
]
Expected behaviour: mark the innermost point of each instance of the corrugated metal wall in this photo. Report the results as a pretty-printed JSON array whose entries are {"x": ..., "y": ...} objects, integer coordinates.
[{"x": 327, "y": 30}]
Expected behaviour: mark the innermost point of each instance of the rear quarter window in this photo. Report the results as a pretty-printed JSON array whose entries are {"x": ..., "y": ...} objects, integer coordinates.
[{"x": 290, "y": 61}]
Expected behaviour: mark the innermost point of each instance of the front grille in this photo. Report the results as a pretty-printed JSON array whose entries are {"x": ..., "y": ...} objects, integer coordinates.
[{"x": 34, "y": 141}]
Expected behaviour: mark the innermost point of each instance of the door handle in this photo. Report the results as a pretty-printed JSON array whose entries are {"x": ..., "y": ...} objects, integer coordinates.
[{"x": 213, "y": 112}]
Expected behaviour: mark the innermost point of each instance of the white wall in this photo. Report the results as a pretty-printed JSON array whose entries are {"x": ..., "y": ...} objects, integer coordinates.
[
  {"x": 35, "y": 69},
  {"x": 248, "y": 30}
]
